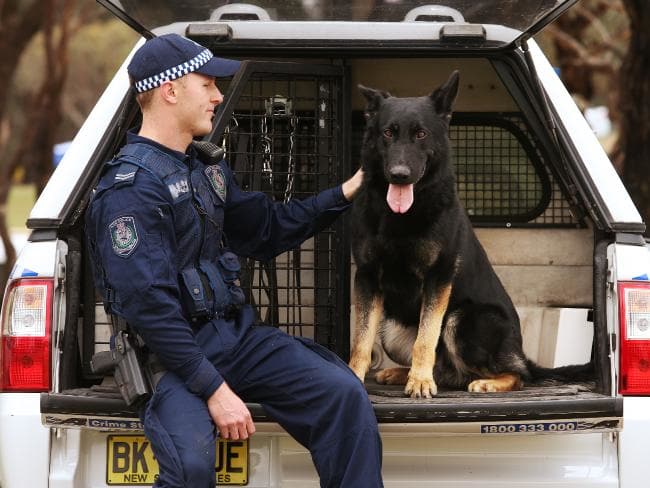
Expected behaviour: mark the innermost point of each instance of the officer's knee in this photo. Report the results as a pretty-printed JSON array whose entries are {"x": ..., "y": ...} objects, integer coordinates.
[
  {"x": 351, "y": 393},
  {"x": 198, "y": 469}
]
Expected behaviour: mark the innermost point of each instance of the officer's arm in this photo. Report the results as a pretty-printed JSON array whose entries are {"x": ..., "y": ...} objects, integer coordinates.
[
  {"x": 135, "y": 243},
  {"x": 258, "y": 227}
]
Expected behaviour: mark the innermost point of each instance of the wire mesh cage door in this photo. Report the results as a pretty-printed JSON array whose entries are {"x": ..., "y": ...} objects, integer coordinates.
[{"x": 281, "y": 131}]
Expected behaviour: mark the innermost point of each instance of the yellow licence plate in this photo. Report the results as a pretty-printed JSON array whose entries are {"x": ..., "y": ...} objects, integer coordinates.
[{"x": 130, "y": 461}]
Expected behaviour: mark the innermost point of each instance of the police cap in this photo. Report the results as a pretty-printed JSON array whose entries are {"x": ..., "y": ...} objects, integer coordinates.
[{"x": 170, "y": 56}]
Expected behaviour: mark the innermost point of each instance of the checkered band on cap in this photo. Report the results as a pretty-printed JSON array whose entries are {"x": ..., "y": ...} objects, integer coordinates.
[{"x": 173, "y": 73}]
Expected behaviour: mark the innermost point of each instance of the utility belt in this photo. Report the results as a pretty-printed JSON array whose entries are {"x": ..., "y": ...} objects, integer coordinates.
[{"x": 212, "y": 290}]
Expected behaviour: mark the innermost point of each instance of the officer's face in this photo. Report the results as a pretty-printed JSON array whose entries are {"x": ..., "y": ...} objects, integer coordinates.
[{"x": 198, "y": 95}]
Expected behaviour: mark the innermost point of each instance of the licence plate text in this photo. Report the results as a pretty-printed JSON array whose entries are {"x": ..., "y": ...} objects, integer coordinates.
[{"x": 130, "y": 461}]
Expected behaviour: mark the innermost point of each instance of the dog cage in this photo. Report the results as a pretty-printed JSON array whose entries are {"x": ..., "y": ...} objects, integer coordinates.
[{"x": 281, "y": 128}]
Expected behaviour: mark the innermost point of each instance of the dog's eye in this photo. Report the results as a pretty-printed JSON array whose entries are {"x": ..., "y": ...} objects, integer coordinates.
[
  {"x": 388, "y": 133},
  {"x": 421, "y": 134}
]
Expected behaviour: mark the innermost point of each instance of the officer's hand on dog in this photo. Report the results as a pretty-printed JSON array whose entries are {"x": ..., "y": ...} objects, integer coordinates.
[
  {"x": 351, "y": 186},
  {"x": 230, "y": 414}
]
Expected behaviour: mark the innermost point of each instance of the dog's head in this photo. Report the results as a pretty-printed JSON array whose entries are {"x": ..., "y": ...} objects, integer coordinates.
[{"x": 410, "y": 136}]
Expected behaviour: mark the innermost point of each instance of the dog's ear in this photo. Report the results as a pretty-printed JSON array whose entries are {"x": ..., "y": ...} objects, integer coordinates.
[
  {"x": 443, "y": 97},
  {"x": 373, "y": 98}
]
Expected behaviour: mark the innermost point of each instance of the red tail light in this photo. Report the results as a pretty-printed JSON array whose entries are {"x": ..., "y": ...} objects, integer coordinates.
[
  {"x": 634, "y": 354},
  {"x": 25, "y": 353}
]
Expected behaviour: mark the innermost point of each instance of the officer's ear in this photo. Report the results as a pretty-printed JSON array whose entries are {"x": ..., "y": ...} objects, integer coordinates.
[{"x": 169, "y": 92}]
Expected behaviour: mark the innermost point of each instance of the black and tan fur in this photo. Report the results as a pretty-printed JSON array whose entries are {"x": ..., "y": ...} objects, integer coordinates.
[{"x": 423, "y": 281}]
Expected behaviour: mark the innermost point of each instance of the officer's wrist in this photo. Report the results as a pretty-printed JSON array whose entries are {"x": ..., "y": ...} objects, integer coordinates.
[{"x": 351, "y": 186}]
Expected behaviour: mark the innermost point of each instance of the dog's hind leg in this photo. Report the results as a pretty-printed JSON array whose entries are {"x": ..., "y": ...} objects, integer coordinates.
[
  {"x": 502, "y": 382},
  {"x": 393, "y": 376},
  {"x": 369, "y": 311},
  {"x": 420, "y": 381}
]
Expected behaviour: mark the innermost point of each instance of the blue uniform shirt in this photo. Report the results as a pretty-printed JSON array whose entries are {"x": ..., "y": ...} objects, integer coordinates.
[{"x": 141, "y": 240}]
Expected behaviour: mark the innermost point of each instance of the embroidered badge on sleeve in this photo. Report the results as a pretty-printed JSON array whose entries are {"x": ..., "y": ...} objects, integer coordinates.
[
  {"x": 217, "y": 180},
  {"x": 124, "y": 236},
  {"x": 178, "y": 187}
]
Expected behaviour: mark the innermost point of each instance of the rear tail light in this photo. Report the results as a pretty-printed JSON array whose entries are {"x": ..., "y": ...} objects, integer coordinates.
[
  {"x": 634, "y": 320},
  {"x": 25, "y": 353}
]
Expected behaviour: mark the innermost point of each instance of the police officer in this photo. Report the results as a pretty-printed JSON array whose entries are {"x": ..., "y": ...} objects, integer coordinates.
[{"x": 155, "y": 228}]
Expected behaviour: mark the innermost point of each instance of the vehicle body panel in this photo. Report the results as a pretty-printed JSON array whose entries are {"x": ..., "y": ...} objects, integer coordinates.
[
  {"x": 633, "y": 443},
  {"x": 24, "y": 441}
]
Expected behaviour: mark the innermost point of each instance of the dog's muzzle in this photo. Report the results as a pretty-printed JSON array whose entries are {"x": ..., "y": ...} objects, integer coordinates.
[{"x": 400, "y": 174}]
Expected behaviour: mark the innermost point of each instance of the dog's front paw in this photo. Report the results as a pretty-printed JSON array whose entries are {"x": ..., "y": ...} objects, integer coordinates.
[{"x": 421, "y": 387}]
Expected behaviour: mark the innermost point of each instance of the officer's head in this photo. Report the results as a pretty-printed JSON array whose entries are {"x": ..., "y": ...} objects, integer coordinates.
[{"x": 163, "y": 68}]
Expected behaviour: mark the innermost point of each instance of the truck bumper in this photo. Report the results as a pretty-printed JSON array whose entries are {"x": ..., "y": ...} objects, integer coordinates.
[{"x": 412, "y": 459}]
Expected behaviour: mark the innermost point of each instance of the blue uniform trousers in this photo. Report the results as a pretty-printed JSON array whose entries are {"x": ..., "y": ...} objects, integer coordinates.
[{"x": 306, "y": 388}]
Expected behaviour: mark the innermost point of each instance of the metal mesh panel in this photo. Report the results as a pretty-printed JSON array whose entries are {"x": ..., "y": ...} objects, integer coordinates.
[
  {"x": 501, "y": 176},
  {"x": 283, "y": 139},
  {"x": 493, "y": 175}
]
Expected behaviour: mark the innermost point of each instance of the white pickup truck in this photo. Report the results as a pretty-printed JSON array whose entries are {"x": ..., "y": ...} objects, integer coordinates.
[{"x": 545, "y": 201}]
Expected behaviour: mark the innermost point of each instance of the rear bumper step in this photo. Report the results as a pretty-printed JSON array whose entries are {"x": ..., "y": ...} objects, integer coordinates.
[{"x": 94, "y": 408}]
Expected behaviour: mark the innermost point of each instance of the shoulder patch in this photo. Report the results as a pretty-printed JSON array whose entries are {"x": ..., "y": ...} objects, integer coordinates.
[
  {"x": 124, "y": 236},
  {"x": 217, "y": 179}
]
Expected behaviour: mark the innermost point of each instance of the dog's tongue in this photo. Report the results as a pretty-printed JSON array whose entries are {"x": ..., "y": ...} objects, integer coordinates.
[{"x": 400, "y": 198}]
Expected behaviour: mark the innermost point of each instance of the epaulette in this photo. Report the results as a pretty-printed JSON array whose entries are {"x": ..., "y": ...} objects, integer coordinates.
[{"x": 125, "y": 174}]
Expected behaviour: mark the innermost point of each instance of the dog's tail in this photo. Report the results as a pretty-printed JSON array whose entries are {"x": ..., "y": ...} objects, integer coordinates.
[{"x": 565, "y": 374}]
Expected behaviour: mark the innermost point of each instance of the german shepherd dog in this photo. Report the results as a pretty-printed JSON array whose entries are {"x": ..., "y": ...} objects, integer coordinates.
[{"x": 423, "y": 281}]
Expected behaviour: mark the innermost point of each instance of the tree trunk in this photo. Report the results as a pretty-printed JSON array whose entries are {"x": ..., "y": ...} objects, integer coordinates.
[
  {"x": 635, "y": 107},
  {"x": 18, "y": 24},
  {"x": 35, "y": 150},
  {"x": 34, "y": 153}
]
